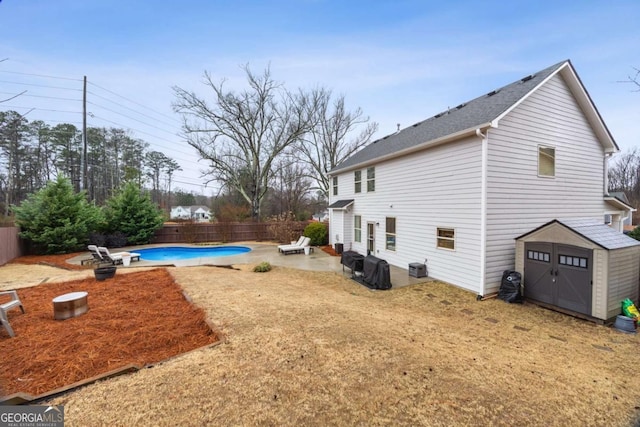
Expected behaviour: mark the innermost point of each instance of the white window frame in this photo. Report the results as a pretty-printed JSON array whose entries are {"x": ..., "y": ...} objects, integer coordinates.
[
  {"x": 541, "y": 153},
  {"x": 335, "y": 185},
  {"x": 394, "y": 234},
  {"x": 445, "y": 238},
  {"x": 371, "y": 179},
  {"x": 357, "y": 228},
  {"x": 357, "y": 181}
]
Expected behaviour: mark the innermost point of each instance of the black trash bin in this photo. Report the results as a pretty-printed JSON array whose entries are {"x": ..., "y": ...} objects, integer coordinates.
[
  {"x": 510, "y": 286},
  {"x": 339, "y": 247}
]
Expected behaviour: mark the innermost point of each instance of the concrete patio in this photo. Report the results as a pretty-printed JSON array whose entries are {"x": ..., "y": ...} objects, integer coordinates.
[{"x": 318, "y": 260}]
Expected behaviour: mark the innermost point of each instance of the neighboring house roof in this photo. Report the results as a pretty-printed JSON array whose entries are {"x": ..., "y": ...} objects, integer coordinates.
[
  {"x": 341, "y": 204},
  {"x": 480, "y": 113},
  {"x": 191, "y": 208},
  {"x": 597, "y": 232}
]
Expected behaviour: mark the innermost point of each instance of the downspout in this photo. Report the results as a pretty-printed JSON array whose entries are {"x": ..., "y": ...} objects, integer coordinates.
[
  {"x": 606, "y": 173},
  {"x": 483, "y": 211}
]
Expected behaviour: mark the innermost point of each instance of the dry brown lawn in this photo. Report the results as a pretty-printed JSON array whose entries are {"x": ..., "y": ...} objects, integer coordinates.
[{"x": 314, "y": 348}]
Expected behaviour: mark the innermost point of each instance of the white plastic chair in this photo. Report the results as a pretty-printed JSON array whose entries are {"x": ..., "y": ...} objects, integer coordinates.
[{"x": 15, "y": 302}]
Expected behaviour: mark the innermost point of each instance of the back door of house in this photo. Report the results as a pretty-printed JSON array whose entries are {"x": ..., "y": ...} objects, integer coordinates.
[
  {"x": 371, "y": 238},
  {"x": 560, "y": 275}
]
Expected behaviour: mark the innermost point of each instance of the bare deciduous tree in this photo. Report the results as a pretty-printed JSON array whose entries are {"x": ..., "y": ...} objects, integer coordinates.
[
  {"x": 635, "y": 79},
  {"x": 241, "y": 134},
  {"x": 332, "y": 138}
]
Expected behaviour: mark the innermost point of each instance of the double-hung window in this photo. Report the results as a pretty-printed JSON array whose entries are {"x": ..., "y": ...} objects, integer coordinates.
[
  {"x": 335, "y": 185},
  {"x": 357, "y": 228},
  {"x": 371, "y": 179},
  {"x": 357, "y": 179}
]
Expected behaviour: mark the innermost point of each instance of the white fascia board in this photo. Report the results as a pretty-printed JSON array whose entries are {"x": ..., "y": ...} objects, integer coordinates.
[
  {"x": 619, "y": 204},
  {"x": 429, "y": 144}
]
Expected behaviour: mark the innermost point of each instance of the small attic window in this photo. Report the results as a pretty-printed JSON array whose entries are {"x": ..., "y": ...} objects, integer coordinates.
[
  {"x": 526, "y": 79},
  {"x": 460, "y": 106},
  {"x": 493, "y": 92}
]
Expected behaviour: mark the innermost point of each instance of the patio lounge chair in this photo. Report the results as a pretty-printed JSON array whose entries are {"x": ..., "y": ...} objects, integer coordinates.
[
  {"x": 298, "y": 243},
  {"x": 13, "y": 303},
  {"x": 296, "y": 249},
  {"x": 116, "y": 258},
  {"x": 96, "y": 256}
]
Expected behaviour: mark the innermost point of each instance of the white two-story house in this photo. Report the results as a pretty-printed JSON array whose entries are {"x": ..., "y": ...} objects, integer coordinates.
[{"x": 457, "y": 188}]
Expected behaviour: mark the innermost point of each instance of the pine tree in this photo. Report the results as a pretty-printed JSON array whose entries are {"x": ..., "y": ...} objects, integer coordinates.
[
  {"x": 56, "y": 219},
  {"x": 132, "y": 213}
]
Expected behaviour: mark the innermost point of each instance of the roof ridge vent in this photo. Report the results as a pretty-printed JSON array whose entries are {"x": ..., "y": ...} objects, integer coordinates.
[
  {"x": 417, "y": 124},
  {"x": 493, "y": 92},
  {"x": 526, "y": 79},
  {"x": 461, "y": 105}
]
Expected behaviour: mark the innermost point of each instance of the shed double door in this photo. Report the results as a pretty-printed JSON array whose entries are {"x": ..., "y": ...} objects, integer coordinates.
[{"x": 560, "y": 275}]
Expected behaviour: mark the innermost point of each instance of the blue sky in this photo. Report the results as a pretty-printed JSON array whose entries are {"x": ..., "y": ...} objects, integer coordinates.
[{"x": 400, "y": 61}]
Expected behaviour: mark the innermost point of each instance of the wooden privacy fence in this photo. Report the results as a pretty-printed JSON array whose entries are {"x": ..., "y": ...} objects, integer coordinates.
[
  {"x": 10, "y": 247},
  {"x": 223, "y": 232}
]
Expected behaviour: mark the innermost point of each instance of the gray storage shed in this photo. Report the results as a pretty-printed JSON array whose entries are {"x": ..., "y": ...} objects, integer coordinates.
[{"x": 579, "y": 265}]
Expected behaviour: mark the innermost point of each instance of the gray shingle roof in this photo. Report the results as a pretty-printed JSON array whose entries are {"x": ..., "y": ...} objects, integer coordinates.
[
  {"x": 340, "y": 204},
  {"x": 474, "y": 113},
  {"x": 596, "y": 231}
]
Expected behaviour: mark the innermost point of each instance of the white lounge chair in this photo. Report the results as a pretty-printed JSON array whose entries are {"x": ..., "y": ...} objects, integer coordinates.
[
  {"x": 13, "y": 303},
  {"x": 294, "y": 249},
  {"x": 97, "y": 257},
  {"x": 116, "y": 258},
  {"x": 295, "y": 243}
]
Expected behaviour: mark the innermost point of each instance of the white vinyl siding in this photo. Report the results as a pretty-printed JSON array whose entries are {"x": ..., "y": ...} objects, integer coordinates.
[
  {"x": 518, "y": 199},
  {"x": 423, "y": 191}
]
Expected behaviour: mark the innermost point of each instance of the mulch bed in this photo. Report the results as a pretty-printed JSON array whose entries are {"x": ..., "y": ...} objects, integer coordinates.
[
  {"x": 136, "y": 318},
  {"x": 329, "y": 249},
  {"x": 59, "y": 261}
]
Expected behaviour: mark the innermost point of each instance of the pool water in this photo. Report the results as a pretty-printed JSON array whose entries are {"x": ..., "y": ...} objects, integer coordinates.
[{"x": 173, "y": 253}]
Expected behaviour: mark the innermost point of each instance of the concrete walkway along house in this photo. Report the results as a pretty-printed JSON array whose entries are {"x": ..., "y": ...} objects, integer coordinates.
[{"x": 457, "y": 188}]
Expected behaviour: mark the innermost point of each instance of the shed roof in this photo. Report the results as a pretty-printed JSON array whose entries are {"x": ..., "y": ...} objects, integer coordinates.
[
  {"x": 465, "y": 118},
  {"x": 593, "y": 230}
]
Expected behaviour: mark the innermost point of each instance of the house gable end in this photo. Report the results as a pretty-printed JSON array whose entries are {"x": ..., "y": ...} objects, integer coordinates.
[{"x": 582, "y": 98}]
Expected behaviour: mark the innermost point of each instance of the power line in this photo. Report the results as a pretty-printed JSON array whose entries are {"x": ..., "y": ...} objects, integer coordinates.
[
  {"x": 48, "y": 97},
  {"x": 41, "y": 75},
  {"x": 134, "y": 102},
  {"x": 131, "y": 118},
  {"x": 147, "y": 133},
  {"x": 37, "y": 85},
  {"x": 43, "y": 109},
  {"x": 124, "y": 106}
]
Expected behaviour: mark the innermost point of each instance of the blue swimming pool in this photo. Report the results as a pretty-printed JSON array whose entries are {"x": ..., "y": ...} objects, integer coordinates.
[{"x": 172, "y": 253}]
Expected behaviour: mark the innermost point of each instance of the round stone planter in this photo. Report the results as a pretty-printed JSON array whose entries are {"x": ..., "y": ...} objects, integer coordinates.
[{"x": 103, "y": 273}]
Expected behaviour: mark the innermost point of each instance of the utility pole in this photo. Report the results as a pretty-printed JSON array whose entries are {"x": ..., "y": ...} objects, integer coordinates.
[{"x": 84, "y": 135}]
